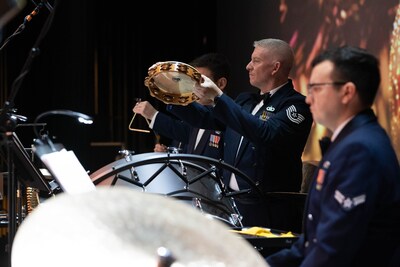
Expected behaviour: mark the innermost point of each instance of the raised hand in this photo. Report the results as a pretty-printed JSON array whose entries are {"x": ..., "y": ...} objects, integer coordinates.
[{"x": 206, "y": 91}]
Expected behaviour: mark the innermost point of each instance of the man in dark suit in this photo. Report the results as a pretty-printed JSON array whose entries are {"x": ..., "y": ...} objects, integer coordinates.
[
  {"x": 353, "y": 210},
  {"x": 263, "y": 138},
  {"x": 205, "y": 142}
]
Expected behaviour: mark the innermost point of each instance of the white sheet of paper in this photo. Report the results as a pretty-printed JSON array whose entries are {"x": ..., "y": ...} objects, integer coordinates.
[{"x": 68, "y": 171}]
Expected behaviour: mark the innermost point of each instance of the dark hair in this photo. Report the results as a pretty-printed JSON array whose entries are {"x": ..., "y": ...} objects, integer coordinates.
[
  {"x": 354, "y": 64},
  {"x": 217, "y": 63}
]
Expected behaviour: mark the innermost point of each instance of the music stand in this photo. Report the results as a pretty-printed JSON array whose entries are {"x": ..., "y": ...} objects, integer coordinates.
[
  {"x": 20, "y": 168},
  {"x": 28, "y": 173}
]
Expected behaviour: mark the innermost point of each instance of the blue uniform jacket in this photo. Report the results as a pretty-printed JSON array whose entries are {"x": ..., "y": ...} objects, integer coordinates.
[
  {"x": 353, "y": 208},
  {"x": 210, "y": 144},
  {"x": 274, "y": 138}
]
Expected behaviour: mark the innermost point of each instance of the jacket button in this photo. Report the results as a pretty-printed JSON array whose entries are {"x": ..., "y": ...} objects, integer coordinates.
[
  {"x": 310, "y": 217},
  {"x": 306, "y": 244}
]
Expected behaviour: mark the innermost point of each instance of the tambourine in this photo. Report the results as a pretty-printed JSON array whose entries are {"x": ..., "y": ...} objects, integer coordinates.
[{"x": 173, "y": 82}]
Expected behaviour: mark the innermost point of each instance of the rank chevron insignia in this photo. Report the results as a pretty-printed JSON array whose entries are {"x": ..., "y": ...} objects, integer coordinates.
[{"x": 293, "y": 116}]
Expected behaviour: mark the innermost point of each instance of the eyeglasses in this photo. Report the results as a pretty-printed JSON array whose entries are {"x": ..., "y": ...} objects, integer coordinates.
[{"x": 313, "y": 86}]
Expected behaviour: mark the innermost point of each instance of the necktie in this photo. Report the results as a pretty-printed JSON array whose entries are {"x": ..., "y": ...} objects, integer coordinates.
[
  {"x": 324, "y": 144},
  {"x": 265, "y": 97},
  {"x": 258, "y": 104}
]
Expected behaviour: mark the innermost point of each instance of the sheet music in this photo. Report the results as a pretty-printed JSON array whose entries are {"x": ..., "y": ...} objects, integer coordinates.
[{"x": 68, "y": 171}]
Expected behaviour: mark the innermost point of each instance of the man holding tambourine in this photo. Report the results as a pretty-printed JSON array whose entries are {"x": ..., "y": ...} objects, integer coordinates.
[
  {"x": 205, "y": 142},
  {"x": 264, "y": 139}
]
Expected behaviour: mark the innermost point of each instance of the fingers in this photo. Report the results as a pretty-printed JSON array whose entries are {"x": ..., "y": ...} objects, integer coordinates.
[
  {"x": 199, "y": 91},
  {"x": 141, "y": 104},
  {"x": 206, "y": 91},
  {"x": 145, "y": 109},
  {"x": 207, "y": 82},
  {"x": 139, "y": 107},
  {"x": 160, "y": 148}
]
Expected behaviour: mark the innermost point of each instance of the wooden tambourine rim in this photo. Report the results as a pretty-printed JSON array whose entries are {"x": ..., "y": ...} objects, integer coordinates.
[{"x": 168, "y": 97}]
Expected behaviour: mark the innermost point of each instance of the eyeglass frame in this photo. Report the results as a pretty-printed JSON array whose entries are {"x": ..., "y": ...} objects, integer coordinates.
[{"x": 311, "y": 85}]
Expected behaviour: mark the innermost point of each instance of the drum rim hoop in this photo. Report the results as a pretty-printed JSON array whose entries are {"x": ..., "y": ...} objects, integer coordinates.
[{"x": 171, "y": 66}]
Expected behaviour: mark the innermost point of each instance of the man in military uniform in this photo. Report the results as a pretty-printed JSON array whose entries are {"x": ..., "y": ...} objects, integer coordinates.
[
  {"x": 264, "y": 132},
  {"x": 353, "y": 212}
]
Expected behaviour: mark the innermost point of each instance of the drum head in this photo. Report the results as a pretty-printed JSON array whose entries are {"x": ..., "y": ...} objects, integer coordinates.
[
  {"x": 172, "y": 82},
  {"x": 180, "y": 176}
]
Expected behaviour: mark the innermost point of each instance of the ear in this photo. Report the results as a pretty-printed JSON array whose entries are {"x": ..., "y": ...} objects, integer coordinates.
[
  {"x": 221, "y": 83},
  {"x": 277, "y": 66},
  {"x": 349, "y": 92}
]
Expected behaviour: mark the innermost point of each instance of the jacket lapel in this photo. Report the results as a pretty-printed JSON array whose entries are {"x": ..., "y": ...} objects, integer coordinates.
[
  {"x": 192, "y": 140},
  {"x": 201, "y": 146}
]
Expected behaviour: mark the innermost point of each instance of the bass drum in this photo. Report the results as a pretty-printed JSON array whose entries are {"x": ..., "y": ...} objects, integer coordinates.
[{"x": 190, "y": 178}]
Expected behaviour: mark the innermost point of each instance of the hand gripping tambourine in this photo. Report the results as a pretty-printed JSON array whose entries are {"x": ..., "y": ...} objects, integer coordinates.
[{"x": 172, "y": 82}]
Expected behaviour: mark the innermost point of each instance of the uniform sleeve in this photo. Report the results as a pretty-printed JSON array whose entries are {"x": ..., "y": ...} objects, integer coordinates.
[
  {"x": 292, "y": 119},
  {"x": 197, "y": 115},
  {"x": 172, "y": 128},
  {"x": 290, "y": 257}
]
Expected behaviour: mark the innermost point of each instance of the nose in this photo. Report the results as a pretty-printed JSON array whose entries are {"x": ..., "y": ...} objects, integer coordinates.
[
  {"x": 248, "y": 66},
  {"x": 308, "y": 99}
]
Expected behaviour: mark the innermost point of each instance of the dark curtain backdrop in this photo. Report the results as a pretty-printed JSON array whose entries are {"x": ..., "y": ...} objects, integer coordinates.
[
  {"x": 238, "y": 25},
  {"x": 94, "y": 60}
]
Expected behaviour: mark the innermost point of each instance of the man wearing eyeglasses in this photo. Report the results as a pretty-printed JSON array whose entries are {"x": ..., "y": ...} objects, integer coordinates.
[{"x": 353, "y": 212}]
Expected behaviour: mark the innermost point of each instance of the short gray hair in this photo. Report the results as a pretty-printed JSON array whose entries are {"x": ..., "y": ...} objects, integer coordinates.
[{"x": 280, "y": 48}]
